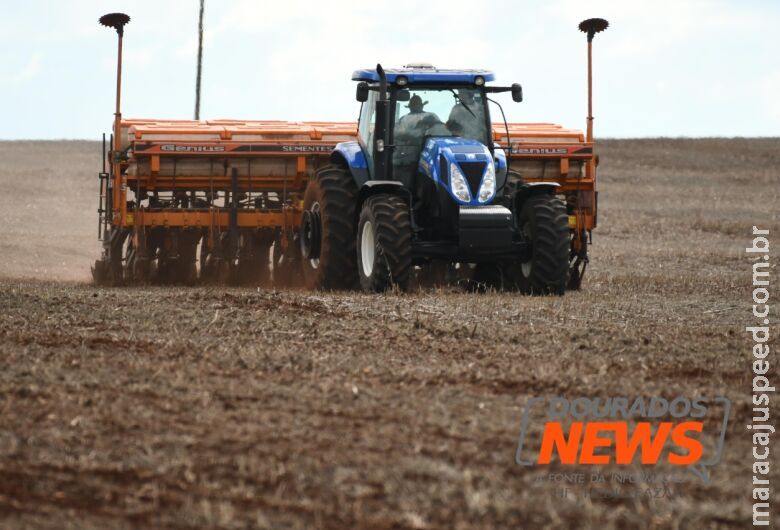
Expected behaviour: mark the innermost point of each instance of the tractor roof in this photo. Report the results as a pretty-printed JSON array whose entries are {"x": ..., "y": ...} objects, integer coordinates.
[{"x": 424, "y": 74}]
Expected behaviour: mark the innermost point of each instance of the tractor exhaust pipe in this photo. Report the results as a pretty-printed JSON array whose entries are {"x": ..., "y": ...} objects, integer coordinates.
[
  {"x": 591, "y": 27},
  {"x": 381, "y": 144}
]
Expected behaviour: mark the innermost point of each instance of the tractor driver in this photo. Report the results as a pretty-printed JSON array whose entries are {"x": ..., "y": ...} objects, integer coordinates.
[
  {"x": 409, "y": 133},
  {"x": 414, "y": 124},
  {"x": 467, "y": 117}
]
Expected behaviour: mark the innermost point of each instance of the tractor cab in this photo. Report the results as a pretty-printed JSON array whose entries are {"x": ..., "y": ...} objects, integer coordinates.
[
  {"x": 420, "y": 110},
  {"x": 429, "y": 130}
]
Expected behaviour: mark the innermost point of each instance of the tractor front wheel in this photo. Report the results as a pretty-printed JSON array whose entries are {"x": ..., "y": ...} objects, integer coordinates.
[
  {"x": 384, "y": 250},
  {"x": 544, "y": 225}
]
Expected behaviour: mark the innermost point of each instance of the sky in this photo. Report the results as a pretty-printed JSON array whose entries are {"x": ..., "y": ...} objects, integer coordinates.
[{"x": 663, "y": 68}]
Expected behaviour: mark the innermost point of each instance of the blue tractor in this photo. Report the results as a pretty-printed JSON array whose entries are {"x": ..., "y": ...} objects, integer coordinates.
[{"x": 425, "y": 183}]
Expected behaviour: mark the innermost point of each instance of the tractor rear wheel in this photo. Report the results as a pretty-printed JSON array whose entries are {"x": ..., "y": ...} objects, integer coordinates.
[
  {"x": 329, "y": 210},
  {"x": 544, "y": 224},
  {"x": 384, "y": 249}
]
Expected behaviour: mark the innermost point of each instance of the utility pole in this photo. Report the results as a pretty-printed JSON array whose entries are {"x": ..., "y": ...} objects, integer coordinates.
[{"x": 200, "y": 61}]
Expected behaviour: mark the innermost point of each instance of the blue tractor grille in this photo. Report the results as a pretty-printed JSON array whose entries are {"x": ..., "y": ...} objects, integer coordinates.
[{"x": 473, "y": 172}]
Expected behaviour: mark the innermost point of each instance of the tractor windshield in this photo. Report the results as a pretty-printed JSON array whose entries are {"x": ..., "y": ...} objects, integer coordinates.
[{"x": 424, "y": 112}]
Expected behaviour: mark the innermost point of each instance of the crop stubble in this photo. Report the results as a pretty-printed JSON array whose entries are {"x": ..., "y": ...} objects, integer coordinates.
[{"x": 237, "y": 407}]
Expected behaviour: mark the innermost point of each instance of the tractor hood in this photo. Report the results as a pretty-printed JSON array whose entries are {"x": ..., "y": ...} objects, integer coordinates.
[{"x": 465, "y": 168}]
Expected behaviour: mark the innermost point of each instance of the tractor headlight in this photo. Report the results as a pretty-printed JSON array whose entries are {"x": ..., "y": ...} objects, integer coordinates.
[
  {"x": 488, "y": 187},
  {"x": 458, "y": 184}
]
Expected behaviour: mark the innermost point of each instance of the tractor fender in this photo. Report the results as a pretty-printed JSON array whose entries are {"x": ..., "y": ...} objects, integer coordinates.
[
  {"x": 350, "y": 155},
  {"x": 530, "y": 189},
  {"x": 373, "y": 187}
]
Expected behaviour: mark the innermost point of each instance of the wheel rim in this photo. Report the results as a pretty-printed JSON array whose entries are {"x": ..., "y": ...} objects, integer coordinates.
[{"x": 367, "y": 248}]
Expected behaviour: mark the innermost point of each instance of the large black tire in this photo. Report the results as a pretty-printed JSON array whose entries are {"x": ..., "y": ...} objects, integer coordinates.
[
  {"x": 544, "y": 223},
  {"x": 384, "y": 244},
  {"x": 333, "y": 193}
]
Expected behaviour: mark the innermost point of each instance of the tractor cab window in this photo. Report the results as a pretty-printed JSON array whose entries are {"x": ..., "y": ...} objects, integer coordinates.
[
  {"x": 366, "y": 127},
  {"x": 441, "y": 112},
  {"x": 436, "y": 111}
]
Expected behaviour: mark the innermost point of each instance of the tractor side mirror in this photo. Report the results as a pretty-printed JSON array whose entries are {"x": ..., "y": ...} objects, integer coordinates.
[
  {"x": 362, "y": 92},
  {"x": 403, "y": 95},
  {"x": 517, "y": 92}
]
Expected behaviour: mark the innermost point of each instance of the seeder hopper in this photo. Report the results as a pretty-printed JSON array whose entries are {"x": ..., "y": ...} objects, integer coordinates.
[{"x": 222, "y": 194}]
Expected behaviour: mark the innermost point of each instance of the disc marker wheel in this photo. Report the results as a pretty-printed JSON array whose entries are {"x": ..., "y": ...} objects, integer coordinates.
[
  {"x": 253, "y": 267},
  {"x": 286, "y": 259},
  {"x": 207, "y": 273}
]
